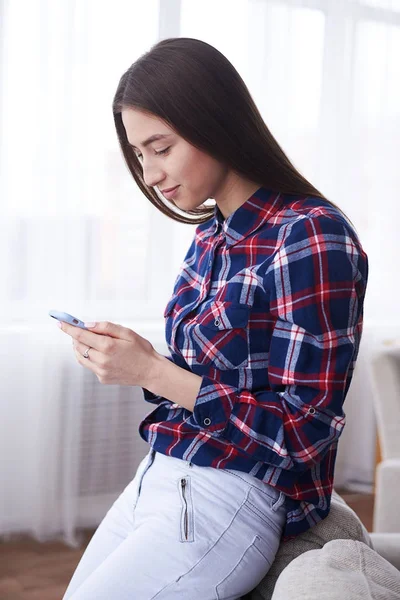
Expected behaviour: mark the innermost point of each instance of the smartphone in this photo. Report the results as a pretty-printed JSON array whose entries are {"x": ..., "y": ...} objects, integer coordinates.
[{"x": 66, "y": 318}]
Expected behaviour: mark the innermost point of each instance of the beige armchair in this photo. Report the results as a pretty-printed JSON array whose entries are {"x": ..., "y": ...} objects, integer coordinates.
[{"x": 386, "y": 394}]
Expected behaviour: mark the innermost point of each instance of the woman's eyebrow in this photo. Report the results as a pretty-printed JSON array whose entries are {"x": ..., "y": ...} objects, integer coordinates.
[{"x": 153, "y": 138}]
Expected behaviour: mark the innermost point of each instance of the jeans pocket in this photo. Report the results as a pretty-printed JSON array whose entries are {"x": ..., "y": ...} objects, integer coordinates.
[
  {"x": 266, "y": 517},
  {"x": 235, "y": 562},
  {"x": 247, "y": 572}
]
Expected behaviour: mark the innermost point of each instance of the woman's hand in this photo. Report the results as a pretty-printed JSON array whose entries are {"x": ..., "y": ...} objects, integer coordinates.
[{"x": 117, "y": 355}]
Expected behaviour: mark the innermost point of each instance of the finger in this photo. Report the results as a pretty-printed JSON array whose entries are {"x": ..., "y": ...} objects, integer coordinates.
[
  {"x": 95, "y": 356},
  {"x": 113, "y": 330},
  {"x": 94, "y": 340},
  {"x": 86, "y": 362}
]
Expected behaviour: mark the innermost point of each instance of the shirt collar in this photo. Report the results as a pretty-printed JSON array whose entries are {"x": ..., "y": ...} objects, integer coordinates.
[{"x": 251, "y": 215}]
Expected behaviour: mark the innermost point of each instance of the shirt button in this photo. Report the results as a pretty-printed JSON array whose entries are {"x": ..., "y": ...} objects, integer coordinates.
[
  {"x": 217, "y": 322},
  {"x": 207, "y": 421},
  {"x": 311, "y": 411}
]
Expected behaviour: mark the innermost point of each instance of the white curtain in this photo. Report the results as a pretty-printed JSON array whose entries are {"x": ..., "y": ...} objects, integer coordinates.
[{"x": 77, "y": 236}]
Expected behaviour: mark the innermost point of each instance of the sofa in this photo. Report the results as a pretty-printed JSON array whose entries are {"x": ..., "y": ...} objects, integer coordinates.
[{"x": 337, "y": 559}]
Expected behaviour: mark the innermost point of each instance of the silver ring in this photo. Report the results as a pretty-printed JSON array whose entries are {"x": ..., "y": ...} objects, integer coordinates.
[{"x": 86, "y": 353}]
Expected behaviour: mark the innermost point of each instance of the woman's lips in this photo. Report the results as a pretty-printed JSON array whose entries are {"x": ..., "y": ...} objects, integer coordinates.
[{"x": 171, "y": 193}]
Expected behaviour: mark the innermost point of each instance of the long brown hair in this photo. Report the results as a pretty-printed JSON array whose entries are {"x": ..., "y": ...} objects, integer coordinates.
[{"x": 196, "y": 90}]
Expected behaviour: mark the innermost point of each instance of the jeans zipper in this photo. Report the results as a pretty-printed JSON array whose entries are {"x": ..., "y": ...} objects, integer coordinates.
[{"x": 183, "y": 486}]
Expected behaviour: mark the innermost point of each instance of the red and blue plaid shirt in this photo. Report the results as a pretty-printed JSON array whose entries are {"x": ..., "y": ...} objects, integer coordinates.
[{"x": 267, "y": 309}]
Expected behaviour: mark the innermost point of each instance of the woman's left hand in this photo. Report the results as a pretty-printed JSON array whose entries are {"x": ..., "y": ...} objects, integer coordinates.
[{"x": 117, "y": 355}]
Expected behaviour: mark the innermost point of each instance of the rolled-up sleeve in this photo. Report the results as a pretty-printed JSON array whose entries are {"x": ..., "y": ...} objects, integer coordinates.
[{"x": 316, "y": 283}]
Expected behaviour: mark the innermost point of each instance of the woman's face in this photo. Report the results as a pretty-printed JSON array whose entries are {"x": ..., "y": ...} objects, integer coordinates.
[{"x": 171, "y": 161}]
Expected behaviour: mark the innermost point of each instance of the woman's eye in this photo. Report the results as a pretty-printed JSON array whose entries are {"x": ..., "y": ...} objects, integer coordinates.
[{"x": 165, "y": 151}]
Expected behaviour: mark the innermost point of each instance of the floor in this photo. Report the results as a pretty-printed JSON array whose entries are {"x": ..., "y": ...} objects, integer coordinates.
[{"x": 33, "y": 571}]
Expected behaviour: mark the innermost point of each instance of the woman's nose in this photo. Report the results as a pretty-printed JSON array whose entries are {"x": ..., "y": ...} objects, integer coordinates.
[{"x": 152, "y": 176}]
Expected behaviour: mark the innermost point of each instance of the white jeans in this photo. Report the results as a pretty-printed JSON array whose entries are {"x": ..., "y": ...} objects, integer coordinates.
[{"x": 180, "y": 531}]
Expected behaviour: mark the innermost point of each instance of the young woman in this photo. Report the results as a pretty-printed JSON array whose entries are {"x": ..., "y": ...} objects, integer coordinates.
[{"x": 263, "y": 328}]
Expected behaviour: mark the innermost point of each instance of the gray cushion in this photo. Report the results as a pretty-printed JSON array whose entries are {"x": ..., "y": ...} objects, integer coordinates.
[
  {"x": 341, "y": 523},
  {"x": 341, "y": 569}
]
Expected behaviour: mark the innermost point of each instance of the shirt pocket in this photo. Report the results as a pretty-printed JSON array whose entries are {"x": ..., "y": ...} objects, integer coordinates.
[{"x": 221, "y": 336}]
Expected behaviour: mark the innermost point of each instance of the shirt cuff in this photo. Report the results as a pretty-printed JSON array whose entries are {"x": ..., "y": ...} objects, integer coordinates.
[
  {"x": 214, "y": 405},
  {"x": 150, "y": 397}
]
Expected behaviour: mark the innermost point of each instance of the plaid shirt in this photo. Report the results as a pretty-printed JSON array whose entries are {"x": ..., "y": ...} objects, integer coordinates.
[{"x": 267, "y": 309}]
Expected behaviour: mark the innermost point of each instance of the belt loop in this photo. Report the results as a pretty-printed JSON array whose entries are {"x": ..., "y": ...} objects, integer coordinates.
[{"x": 279, "y": 501}]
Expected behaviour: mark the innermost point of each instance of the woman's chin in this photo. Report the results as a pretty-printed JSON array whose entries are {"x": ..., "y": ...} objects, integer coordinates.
[{"x": 188, "y": 205}]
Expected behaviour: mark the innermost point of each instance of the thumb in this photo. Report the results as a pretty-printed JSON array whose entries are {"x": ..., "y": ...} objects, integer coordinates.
[{"x": 111, "y": 329}]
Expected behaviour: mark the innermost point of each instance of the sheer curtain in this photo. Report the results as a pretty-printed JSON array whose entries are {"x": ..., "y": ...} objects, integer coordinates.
[{"x": 76, "y": 235}]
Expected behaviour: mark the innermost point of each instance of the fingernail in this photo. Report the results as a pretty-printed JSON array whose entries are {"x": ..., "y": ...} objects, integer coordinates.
[{"x": 90, "y": 324}]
